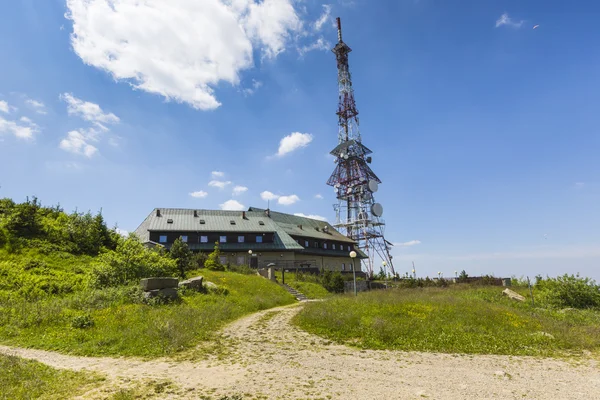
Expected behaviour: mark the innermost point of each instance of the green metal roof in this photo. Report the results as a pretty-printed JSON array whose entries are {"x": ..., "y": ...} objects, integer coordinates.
[
  {"x": 255, "y": 221},
  {"x": 305, "y": 227}
]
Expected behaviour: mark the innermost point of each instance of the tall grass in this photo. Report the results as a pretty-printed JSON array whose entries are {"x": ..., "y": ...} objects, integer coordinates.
[
  {"x": 121, "y": 325},
  {"x": 306, "y": 284},
  {"x": 453, "y": 320},
  {"x": 24, "y": 379}
]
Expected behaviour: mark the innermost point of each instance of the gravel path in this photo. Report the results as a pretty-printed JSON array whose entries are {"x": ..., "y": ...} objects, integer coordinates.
[{"x": 272, "y": 359}]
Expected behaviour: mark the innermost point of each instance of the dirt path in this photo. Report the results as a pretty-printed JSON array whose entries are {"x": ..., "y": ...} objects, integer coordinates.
[{"x": 273, "y": 359}]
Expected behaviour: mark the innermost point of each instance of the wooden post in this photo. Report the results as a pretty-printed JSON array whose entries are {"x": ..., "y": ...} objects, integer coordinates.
[{"x": 531, "y": 292}]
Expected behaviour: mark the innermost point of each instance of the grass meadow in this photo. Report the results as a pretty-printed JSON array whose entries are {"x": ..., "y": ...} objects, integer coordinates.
[
  {"x": 458, "y": 319},
  {"x": 25, "y": 379},
  {"x": 114, "y": 321}
]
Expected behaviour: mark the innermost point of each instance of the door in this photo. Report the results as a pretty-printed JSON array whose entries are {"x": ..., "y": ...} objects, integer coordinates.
[{"x": 254, "y": 262}]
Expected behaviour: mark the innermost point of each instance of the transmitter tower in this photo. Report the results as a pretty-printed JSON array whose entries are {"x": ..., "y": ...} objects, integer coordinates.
[{"x": 358, "y": 215}]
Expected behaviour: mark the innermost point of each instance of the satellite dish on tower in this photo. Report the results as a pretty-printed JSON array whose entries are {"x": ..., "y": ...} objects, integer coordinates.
[
  {"x": 373, "y": 186},
  {"x": 377, "y": 209}
]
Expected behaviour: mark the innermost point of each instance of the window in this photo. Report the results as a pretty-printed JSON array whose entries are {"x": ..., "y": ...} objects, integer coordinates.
[
  {"x": 223, "y": 259},
  {"x": 316, "y": 245},
  {"x": 259, "y": 239},
  {"x": 333, "y": 246},
  {"x": 349, "y": 248},
  {"x": 184, "y": 239},
  {"x": 162, "y": 239},
  {"x": 343, "y": 266},
  {"x": 325, "y": 245},
  {"x": 223, "y": 239},
  {"x": 241, "y": 260},
  {"x": 203, "y": 239},
  {"x": 240, "y": 239},
  {"x": 306, "y": 243},
  {"x": 261, "y": 223}
]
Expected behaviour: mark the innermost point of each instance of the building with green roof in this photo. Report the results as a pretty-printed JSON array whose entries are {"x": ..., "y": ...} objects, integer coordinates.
[{"x": 256, "y": 237}]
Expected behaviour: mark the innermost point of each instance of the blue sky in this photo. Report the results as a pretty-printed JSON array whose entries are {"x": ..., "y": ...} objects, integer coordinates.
[{"x": 484, "y": 130}]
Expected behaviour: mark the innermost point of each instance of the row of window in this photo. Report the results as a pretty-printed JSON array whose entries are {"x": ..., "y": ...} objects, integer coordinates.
[
  {"x": 204, "y": 239},
  {"x": 317, "y": 245}
]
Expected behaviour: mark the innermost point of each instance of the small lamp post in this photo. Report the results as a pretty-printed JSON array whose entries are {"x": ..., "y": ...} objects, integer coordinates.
[
  {"x": 353, "y": 256},
  {"x": 249, "y": 258},
  {"x": 414, "y": 274}
]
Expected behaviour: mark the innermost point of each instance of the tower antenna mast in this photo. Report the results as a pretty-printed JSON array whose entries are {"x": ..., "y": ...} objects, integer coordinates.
[{"x": 358, "y": 216}]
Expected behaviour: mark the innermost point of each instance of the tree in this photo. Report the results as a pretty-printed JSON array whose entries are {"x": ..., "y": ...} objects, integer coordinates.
[
  {"x": 214, "y": 262},
  {"x": 463, "y": 277},
  {"x": 128, "y": 263},
  {"x": 181, "y": 253}
]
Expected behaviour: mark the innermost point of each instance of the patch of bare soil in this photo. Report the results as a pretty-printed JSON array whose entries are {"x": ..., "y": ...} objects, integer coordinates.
[{"x": 270, "y": 358}]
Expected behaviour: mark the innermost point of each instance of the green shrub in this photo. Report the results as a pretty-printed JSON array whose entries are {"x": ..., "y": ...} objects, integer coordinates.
[
  {"x": 82, "y": 321},
  {"x": 130, "y": 262},
  {"x": 213, "y": 262},
  {"x": 181, "y": 253},
  {"x": 333, "y": 281},
  {"x": 568, "y": 291}
]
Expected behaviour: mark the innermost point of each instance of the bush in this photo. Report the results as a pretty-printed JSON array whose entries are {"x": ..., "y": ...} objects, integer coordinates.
[
  {"x": 130, "y": 262},
  {"x": 333, "y": 282},
  {"x": 568, "y": 291},
  {"x": 82, "y": 322},
  {"x": 213, "y": 262},
  {"x": 181, "y": 253}
]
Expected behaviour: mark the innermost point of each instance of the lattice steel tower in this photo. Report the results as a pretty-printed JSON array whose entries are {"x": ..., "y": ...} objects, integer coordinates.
[{"x": 357, "y": 213}]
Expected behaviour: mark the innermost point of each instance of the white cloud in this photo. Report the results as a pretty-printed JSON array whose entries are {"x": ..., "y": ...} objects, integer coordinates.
[
  {"x": 26, "y": 120},
  {"x": 319, "y": 196},
  {"x": 292, "y": 142},
  {"x": 217, "y": 174},
  {"x": 77, "y": 142},
  {"x": 239, "y": 190},
  {"x": 508, "y": 21},
  {"x": 20, "y": 131},
  {"x": 40, "y": 107},
  {"x": 323, "y": 18},
  {"x": 408, "y": 244},
  {"x": 288, "y": 200},
  {"x": 232, "y": 205},
  {"x": 579, "y": 185},
  {"x": 319, "y": 44},
  {"x": 311, "y": 216},
  {"x": 255, "y": 86},
  {"x": 4, "y": 106},
  {"x": 180, "y": 49},
  {"x": 90, "y": 112},
  {"x": 200, "y": 194},
  {"x": 266, "y": 195},
  {"x": 219, "y": 184}
]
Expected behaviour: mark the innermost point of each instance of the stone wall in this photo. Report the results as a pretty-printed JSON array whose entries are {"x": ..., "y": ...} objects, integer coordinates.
[{"x": 361, "y": 286}]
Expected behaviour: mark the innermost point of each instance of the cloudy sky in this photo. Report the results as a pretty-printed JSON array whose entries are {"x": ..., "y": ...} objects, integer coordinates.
[{"x": 485, "y": 131}]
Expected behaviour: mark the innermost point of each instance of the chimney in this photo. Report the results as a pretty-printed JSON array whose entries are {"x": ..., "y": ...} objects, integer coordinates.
[
  {"x": 158, "y": 212},
  {"x": 195, "y": 213},
  {"x": 300, "y": 226},
  {"x": 268, "y": 213},
  {"x": 243, "y": 214}
]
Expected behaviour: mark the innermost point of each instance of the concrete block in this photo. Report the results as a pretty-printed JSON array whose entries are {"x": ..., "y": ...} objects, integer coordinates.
[
  {"x": 169, "y": 293},
  {"x": 513, "y": 295},
  {"x": 192, "y": 283},
  {"x": 158, "y": 283}
]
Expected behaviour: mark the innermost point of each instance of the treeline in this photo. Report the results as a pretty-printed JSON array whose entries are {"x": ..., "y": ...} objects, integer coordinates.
[{"x": 29, "y": 224}]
